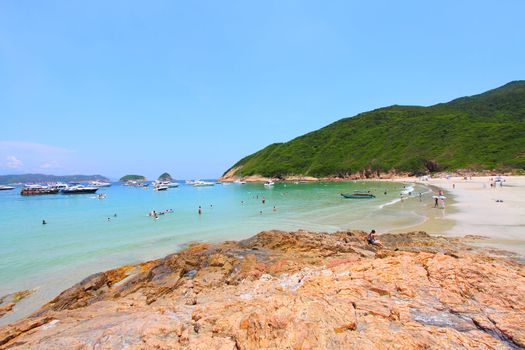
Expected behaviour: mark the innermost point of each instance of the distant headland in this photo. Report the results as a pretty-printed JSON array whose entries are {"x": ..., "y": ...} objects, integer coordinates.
[{"x": 43, "y": 178}]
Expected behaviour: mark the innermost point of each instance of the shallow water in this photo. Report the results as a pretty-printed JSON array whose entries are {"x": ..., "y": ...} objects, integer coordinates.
[{"x": 79, "y": 239}]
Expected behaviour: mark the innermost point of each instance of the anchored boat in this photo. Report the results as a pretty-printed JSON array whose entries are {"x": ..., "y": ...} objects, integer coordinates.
[
  {"x": 34, "y": 190},
  {"x": 358, "y": 195},
  {"x": 79, "y": 189}
]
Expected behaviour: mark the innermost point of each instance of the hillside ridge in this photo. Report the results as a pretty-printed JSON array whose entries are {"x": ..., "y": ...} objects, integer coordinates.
[{"x": 480, "y": 132}]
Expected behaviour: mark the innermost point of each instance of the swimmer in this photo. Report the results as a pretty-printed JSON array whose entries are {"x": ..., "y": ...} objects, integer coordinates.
[
  {"x": 200, "y": 210},
  {"x": 274, "y": 209},
  {"x": 44, "y": 222}
]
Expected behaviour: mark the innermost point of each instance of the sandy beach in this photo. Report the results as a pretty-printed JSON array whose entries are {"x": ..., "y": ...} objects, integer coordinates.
[{"x": 479, "y": 209}]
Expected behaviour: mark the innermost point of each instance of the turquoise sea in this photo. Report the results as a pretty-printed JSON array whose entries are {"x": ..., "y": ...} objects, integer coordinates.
[{"x": 85, "y": 235}]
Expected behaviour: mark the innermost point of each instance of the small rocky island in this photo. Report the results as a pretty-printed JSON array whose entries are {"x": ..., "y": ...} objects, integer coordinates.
[
  {"x": 165, "y": 177},
  {"x": 138, "y": 178},
  {"x": 294, "y": 290}
]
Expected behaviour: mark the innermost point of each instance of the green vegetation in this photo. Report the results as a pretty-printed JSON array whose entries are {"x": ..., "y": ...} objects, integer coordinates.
[
  {"x": 481, "y": 132},
  {"x": 43, "y": 178},
  {"x": 132, "y": 178},
  {"x": 165, "y": 177}
]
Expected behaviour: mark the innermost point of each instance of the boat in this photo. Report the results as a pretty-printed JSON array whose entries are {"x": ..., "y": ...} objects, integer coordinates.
[
  {"x": 79, "y": 189},
  {"x": 168, "y": 184},
  {"x": 99, "y": 184},
  {"x": 240, "y": 182},
  {"x": 59, "y": 185},
  {"x": 160, "y": 188},
  {"x": 34, "y": 190},
  {"x": 269, "y": 183},
  {"x": 199, "y": 183},
  {"x": 6, "y": 188},
  {"x": 358, "y": 195}
]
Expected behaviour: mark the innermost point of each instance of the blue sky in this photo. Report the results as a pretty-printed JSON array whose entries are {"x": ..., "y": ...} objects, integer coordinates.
[{"x": 117, "y": 87}]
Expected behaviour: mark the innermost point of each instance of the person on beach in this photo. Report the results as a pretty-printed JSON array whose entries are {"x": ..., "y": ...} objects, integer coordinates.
[{"x": 371, "y": 238}]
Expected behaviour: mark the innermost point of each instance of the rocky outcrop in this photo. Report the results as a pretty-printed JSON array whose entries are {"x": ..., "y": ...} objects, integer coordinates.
[
  {"x": 293, "y": 290},
  {"x": 9, "y": 301}
]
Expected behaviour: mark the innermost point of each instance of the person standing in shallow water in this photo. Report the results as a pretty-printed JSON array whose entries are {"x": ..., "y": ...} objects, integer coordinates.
[{"x": 200, "y": 210}]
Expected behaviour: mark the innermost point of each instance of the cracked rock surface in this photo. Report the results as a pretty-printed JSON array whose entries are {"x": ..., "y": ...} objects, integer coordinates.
[{"x": 293, "y": 290}]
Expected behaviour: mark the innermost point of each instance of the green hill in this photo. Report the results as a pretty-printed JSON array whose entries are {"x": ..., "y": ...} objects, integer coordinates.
[
  {"x": 480, "y": 132},
  {"x": 132, "y": 178},
  {"x": 165, "y": 177}
]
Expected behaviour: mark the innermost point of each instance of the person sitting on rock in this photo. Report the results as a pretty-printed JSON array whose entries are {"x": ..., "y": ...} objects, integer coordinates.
[{"x": 371, "y": 238}]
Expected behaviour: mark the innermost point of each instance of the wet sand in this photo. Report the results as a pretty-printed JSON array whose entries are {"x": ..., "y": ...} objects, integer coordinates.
[{"x": 472, "y": 209}]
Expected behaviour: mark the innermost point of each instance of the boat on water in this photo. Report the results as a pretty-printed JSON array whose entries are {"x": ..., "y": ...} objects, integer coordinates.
[
  {"x": 99, "y": 184},
  {"x": 79, "y": 189},
  {"x": 160, "y": 188},
  {"x": 358, "y": 195},
  {"x": 6, "y": 188},
  {"x": 168, "y": 184},
  {"x": 269, "y": 183},
  {"x": 240, "y": 182},
  {"x": 200, "y": 183},
  {"x": 35, "y": 190},
  {"x": 134, "y": 183}
]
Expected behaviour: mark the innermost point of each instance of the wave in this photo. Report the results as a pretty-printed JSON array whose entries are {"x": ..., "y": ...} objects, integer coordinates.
[{"x": 394, "y": 201}]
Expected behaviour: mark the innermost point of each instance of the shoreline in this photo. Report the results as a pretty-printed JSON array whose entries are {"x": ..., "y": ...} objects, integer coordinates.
[
  {"x": 441, "y": 222},
  {"x": 476, "y": 211}
]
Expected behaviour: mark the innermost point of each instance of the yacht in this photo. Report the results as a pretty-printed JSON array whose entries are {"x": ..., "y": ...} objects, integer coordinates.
[
  {"x": 199, "y": 183},
  {"x": 99, "y": 184},
  {"x": 5, "y": 188},
  {"x": 169, "y": 184},
  {"x": 79, "y": 189},
  {"x": 160, "y": 188}
]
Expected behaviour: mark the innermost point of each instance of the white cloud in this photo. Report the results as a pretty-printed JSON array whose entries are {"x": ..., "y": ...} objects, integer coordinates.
[
  {"x": 13, "y": 162},
  {"x": 36, "y": 156}
]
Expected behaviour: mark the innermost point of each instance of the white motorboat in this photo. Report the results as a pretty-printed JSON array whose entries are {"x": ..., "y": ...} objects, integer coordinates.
[
  {"x": 240, "y": 182},
  {"x": 160, "y": 188},
  {"x": 6, "y": 188},
  {"x": 169, "y": 184},
  {"x": 199, "y": 183},
  {"x": 100, "y": 184},
  {"x": 269, "y": 183}
]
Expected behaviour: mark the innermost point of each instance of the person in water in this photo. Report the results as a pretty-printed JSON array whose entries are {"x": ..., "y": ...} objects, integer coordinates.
[
  {"x": 371, "y": 238},
  {"x": 44, "y": 222},
  {"x": 435, "y": 202},
  {"x": 200, "y": 210}
]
